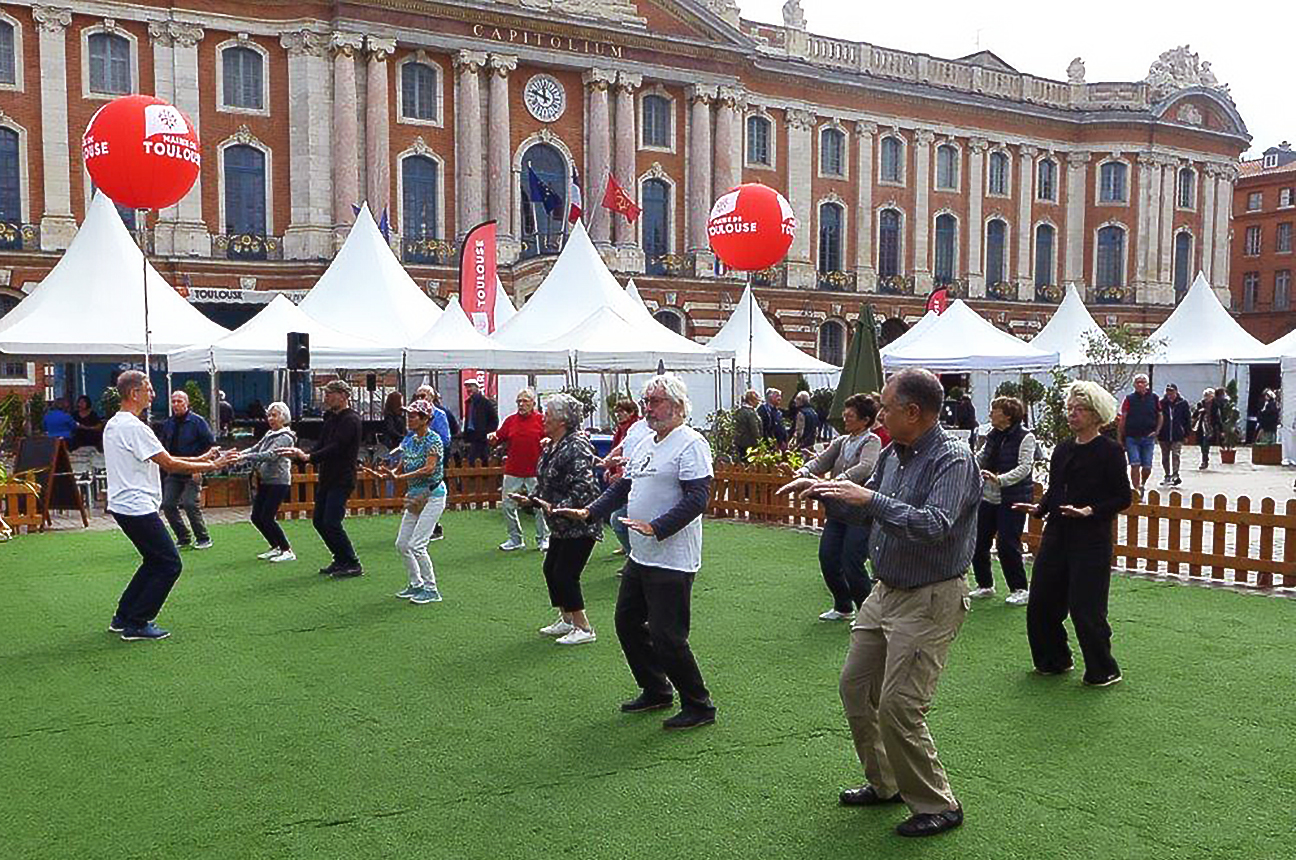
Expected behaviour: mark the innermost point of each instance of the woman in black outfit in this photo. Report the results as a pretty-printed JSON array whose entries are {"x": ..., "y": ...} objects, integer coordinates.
[
  {"x": 1088, "y": 485},
  {"x": 89, "y": 429}
]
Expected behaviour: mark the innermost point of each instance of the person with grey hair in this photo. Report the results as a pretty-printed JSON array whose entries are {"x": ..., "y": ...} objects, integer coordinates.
[
  {"x": 806, "y": 427},
  {"x": 185, "y": 434},
  {"x": 1087, "y": 488},
  {"x": 771, "y": 416},
  {"x": 565, "y": 479},
  {"x": 275, "y": 475},
  {"x": 521, "y": 432},
  {"x": 922, "y": 497},
  {"x": 1140, "y": 423},
  {"x": 665, "y": 489}
]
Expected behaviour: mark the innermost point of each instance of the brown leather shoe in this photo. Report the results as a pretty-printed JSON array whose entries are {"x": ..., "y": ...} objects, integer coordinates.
[{"x": 865, "y": 795}]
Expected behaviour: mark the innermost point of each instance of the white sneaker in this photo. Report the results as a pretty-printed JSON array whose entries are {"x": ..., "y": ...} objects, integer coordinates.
[
  {"x": 286, "y": 555},
  {"x": 558, "y": 628},
  {"x": 270, "y": 553},
  {"x": 509, "y": 546},
  {"x": 977, "y": 593},
  {"x": 1018, "y": 598},
  {"x": 543, "y": 546},
  {"x": 834, "y": 615},
  {"x": 578, "y": 637}
]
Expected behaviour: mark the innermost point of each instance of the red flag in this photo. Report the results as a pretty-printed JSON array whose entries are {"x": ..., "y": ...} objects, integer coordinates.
[
  {"x": 616, "y": 199},
  {"x": 574, "y": 195},
  {"x": 477, "y": 279},
  {"x": 938, "y": 301}
]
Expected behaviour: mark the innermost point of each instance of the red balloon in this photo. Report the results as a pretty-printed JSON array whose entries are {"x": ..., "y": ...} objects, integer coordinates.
[
  {"x": 751, "y": 227},
  {"x": 142, "y": 152}
]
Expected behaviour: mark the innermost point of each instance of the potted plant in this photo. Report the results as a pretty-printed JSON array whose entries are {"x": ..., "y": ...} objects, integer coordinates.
[{"x": 1230, "y": 433}]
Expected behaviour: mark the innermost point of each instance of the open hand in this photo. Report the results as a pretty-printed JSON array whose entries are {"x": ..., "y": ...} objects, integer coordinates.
[
  {"x": 1073, "y": 511},
  {"x": 639, "y": 526},
  {"x": 840, "y": 491},
  {"x": 521, "y": 499},
  {"x": 1024, "y": 507},
  {"x": 987, "y": 475},
  {"x": 581, "y": 514},
  {"x": 795, "y": 486}
]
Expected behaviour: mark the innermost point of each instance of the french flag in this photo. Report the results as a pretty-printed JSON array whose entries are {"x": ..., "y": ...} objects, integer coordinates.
[{"x": 574, "y": 195}]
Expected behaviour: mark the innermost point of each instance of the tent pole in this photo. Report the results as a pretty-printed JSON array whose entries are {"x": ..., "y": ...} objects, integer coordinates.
[
  {"x": 148, "y": 342},
  {"x": 751, "y": 295}
]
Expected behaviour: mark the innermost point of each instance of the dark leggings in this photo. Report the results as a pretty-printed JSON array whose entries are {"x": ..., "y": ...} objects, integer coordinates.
[
  {"x": 563, "y": 564},
  {"x": 843, "y": 549},
  {"x": 264, "y": 507},
  {"x": 1000, "y": 524}
]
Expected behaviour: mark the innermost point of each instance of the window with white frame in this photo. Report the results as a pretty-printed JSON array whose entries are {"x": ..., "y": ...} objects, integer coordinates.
[
  {"x": 245, "y": 191},
  {"x": 1111, "y": 257},
  {"x": 1255, "y": 201},
  {"x": 1285, "y": 197},
  {"x": 832, "y": 342},
  {"x": 656, "y": 121},
  {"x": 831, "y": 229},
  {"x": 1270, "y": 161},
  {"x": 946, "y": 247},
  {"x": 758, "y": 140},
  {"x": 888, "y": 243},
  {"x": 1187, "y": 188},
  {"x": 1282, "y": 290},
  {"x": 1182, "y": 261},
  {"x": 996, "y": 251},
  {"x": 832, "y": 152},
  {"x": 1250, "y": 291},
  {"x": 8, "y": 58},
  {"x": 892, "y": 160},
  {"x": 947, "y": 167},
  {"x": 1045, "y": 238},
  {"x": 420, "y": 190},
  {"x": 1283, "y": 238},
  {"x": 655, "y": 222},
  {"x": 110, "y": 64},
  {"x": 997, "y": 175},
  {"x": 10, "y": 177},
  {"x": 1112, "y": 182},
  {"x": 1251, "y": 244},
  {"x": 243, "y": 78},
  {"x": 418, "y": 91},
  {"x": 1046, "y": 180}
]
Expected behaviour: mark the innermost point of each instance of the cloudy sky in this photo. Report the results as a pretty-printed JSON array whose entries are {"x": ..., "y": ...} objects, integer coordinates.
[{"x": 1118, "y": 41}]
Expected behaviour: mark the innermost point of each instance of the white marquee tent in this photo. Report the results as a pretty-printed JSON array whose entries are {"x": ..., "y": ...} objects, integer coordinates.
[
  {"x": 912, "y": 333},
  {"x": 454, "y": 343},
  {"x": 960, "y": 340},
  {"x": 1069, "y": 330},
  {"x": 752, "y": 338}
]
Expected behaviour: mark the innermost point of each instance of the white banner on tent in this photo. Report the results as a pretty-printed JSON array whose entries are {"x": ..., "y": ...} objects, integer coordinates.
[{"x": 229, "y": 296}]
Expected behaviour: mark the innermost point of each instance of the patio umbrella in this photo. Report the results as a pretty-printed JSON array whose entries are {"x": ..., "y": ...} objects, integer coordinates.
[{"x": 862, "y": 371}]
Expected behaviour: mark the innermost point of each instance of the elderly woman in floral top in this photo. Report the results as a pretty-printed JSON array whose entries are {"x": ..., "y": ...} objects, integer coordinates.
[
  {"x": 422, "y": 467},
  {"x": 566, "y": 480}
]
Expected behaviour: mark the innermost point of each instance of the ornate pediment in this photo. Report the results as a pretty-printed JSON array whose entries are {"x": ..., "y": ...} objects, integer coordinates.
[
  {"x": 620, "y": 11},
  {"x": 1180, "y": 69}
]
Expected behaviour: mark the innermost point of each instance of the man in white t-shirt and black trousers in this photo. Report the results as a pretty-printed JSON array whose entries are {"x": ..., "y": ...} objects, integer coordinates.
[
  {"x": 665, "y": 487},
  {"x": 132, "y": 454}
]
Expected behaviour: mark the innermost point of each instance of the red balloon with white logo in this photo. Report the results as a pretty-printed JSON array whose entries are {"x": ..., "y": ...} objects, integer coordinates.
[
  {"x": 751, "y": 227},
  {"x": 142, "y": 152}
]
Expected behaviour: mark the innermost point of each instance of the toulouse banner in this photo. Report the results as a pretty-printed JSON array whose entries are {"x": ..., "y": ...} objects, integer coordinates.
[{"x": 477, "y": 270}]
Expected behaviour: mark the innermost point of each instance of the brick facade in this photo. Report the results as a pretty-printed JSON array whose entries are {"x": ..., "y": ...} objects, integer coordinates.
[{"x": 1264, "y": 213}]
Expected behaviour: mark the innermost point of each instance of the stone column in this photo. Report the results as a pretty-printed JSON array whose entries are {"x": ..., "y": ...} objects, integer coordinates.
[
  {"x": 378, "y": 127},
  {"x": 1169, "y": 199},
  {"x": 57, "y": 226},
  {"x": 1025, "y": 227},
  {"x": 598, "y": 161},
  {"x": 1223, "y": 215},
  {"x": 800, "y": 170},
  {"x": 468, "y": 141},
  {"x": 865, "y": 269},
  {"x": 346, "y": 131},
  {"x": 1077, "y": 175},
  {"x": 499, "y": 168},
  {"x": 179, "y": 230},
  {"x": 1206, "y": 241},
  {"x": 728, "y": 138},
  {"x": 699, "y": 178},
  {"x": 630, "y": 257},
  {"x": 1152, "y": 223},
  {"x": 977, "y": 147},
  {"x": 920, "y": 229},
  {"x": 310, "y": 142},
  {"x": 1148, "y": 177}
]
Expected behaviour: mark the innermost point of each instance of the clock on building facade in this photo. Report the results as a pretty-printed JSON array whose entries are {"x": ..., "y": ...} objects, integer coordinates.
[{"x": 545, "y": 97}]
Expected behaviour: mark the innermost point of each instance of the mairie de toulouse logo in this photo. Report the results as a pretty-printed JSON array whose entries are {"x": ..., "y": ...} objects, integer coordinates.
[
  {"x": 166, "y": 134},
  {"x": 727, "y": 219}
]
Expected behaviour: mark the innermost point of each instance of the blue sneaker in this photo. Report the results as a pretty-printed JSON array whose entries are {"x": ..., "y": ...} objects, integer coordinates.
[
  {"x": 408, "y": 592},
  {"x": 148, "y": 631},
  {"x": 426, "y": 595}
]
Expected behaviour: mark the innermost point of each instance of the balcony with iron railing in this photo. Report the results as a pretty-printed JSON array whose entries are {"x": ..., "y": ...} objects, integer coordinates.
[
  {"x": 836, "y": 281},
  {"x": 774, "y": 276},
  {"x": 248, "y": 246},
  {"x": 1049, "y": 293},
  {"x": 18, "y": 237},
  {"x": 1001, "y": 291},
  {"x": 427, "y": 251},
  {"x": 666, "y": 265},
  {"x": 1116, "y": 294},
  {"x": 896, "y": 285}
]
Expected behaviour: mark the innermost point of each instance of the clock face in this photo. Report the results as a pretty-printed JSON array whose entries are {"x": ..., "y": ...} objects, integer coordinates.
[{"x": 545, "y": 97}]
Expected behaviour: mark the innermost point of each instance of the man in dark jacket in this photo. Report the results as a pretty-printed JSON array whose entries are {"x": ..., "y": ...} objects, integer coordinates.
[
  {"x": 771, "y": 416},
  {"x": 1138, "y": 426},
  {"x": 480, "y": 420},
  {"x": 185, "y": 434},
  {"x": 335, "y": 454},
  {"x": 747, "y": 426},
  {"x": 1175, "y": 420},
  {"x": 807, "y": 422}
]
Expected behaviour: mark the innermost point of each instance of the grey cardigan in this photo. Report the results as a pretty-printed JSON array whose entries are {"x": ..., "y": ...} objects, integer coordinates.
[
  {"x": 836, "y": 462},
  {"x": 273, "y": 468}
]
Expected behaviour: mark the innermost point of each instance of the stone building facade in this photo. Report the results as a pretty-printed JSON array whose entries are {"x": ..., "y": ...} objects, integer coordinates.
[
  {"x": 1264, "y": 214},
  {"x": 906, "y": 172}
]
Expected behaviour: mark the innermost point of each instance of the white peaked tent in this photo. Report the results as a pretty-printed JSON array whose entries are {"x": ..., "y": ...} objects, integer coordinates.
[
  {"x": 504, "y": 310},
  {"x": 1201, "y": 331},
  {"x": 961, "y": 340},
  {"x": 1069, "y": 330},
  {"x": 366, "y": 292},
  {"x": 91, "y": 305},
  {"x": 912, "y": 333},
  {"x": 632, "y": 290},
  {"x": 755, "y": 343},
  {"x": 453, "y": 343},
  {"x": 261, "y": 344}
]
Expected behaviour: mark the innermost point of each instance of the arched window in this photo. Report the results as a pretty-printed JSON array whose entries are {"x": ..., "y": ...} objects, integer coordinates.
[
  {"x": 947, "y": 167},
  {"x": 1187, "y": 188},
  {"x": 110, "y": 70},
  {"x": 998, "y": 174},
  {"x": 671, "y": 319},
  {"x": 243, "y": 81},
  {"x": 832, "y": 342},
  {"x": 758, "y": 140},
  {"x": 892, "y": 167},
  {"x": 656, "y": 225},
  {"x": 656, "y": 121},
  {"x": 996, "y": 251},
  {"x": 1111, "y": 182},
  {"x": 1046, "y": 180},
  {"x": 8, "y": 62},
  {"x": 1182, "y": 262},
  {"x": 1111, "y": 257},
  {"x": 832, "y": 152},
  {"x": 888, "y": 243},
  {"x": 830, "y": 238},
  {"x": 10, "y": 178},
  {"x": 245, "y": 191},
  {"x": 420, "y": 181},
  {"x": 1045, "y": 236},
  {"x": 544, "y": 207},
  {"x": 946, "y": 231},
  {"x": 418, "y": 91},
  {"x": 891, "y": 329}
]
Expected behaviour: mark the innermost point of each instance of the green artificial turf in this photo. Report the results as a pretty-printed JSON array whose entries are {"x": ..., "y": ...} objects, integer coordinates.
[{"x": 290, "y": 715}]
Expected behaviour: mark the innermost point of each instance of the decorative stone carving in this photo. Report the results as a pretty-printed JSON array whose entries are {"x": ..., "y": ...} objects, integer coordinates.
[
  {"x": 629, "y": 81},
  {"x": 346, "y": 44},
  {"x": 924, "y": 137},
  {"x": 168, "y": 33},
  {"x": 866, "y": 128},
  {"x": 701, "y": 93},
  {"x": 244, "y": 136},
  {"x": 380, "y": 48},
  {"x": 726, "y": 9},
  {"x": 1180, "y": 68},
  {"x": 793, "y": 15},
  {"x": 800, "y": 119},
  {"x": 110, "y": 24},
  {"x": 471, "y": 62},
  {"x": 52, "y": 19},
  {"x": 978, "y": 144},
  {"x": 502, "y": 64},
  {"x": 1190, "y": 114},
  {"x": 1027, "y": 151},
  {"x": 1078, "y": 159},
  {"x": 599, "y": 79},
  {"x": 656, "y": 172},
  {"x": 420, "y": 147},
  {"x": 607, "y": 10},
  {"x": 1076, "y": 71},
  {"x": 298, "y": 42}
]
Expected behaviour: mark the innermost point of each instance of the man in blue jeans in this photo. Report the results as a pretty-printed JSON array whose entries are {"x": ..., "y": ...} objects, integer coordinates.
[{"x": 1139, "y": 422}]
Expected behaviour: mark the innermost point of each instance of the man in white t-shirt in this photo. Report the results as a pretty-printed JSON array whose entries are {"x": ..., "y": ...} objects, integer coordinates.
[
  {"x": 132, "y": 454},
  {"x": 665, "y": 488}
]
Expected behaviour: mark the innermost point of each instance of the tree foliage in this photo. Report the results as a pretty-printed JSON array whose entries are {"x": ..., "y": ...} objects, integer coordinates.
[{"x": 1114, "y": 359}]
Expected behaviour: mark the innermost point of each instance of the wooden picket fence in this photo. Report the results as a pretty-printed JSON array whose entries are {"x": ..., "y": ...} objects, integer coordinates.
[
  {"x": 747, "y": 493},
  {"x": 20, "y": 508},
  {"x": 472, "y": 486}
]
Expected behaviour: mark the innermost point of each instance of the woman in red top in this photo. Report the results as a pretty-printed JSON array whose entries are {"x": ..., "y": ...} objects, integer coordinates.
[
  {"x": 626, "y": 413},
  {"x": 522, "y": 433}
]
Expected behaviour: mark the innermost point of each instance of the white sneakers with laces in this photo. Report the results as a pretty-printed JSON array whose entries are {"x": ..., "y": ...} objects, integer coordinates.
[
  {"x": 270, "y": 553},
  {"x": 1018, "y": 598},
  {"x": 978, "y": 593},
  {"x": 578, "y": 637},
  {"x": 834, "y": 615},
  {"x": 286, "y": 555},
  {"x": 558, "y": 628}
]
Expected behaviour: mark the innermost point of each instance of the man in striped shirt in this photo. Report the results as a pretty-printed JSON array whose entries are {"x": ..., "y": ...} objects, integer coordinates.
[{"x": 922, "y": 498}]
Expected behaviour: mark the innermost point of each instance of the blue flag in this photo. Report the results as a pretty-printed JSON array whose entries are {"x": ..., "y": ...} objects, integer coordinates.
[
  {"x": 543, "y": 194},
  {"x": 383, "y": 226}
]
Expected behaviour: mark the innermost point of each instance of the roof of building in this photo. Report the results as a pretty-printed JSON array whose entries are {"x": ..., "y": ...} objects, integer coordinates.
[{"x": 1255, "y": 167}]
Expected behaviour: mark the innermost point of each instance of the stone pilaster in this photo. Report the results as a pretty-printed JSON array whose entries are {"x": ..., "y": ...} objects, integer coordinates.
[
  {"x": 468, "y": 140},
  {"x": 800, "y": 170},
  {"x": 346, "y": 130},
  {"x": 699, "y": 178},
  {"x": 56, "y": 223},
  {"x": 865, "y": 268},
  {"x": 499, "y": 170},
  {"x": 920, "y": 229},
  {"x": 378, "y": 126},
  {"x": 728, "y": 140},
  {"x": 1025, "y": 229},
  {"x": 1206, "y": 243},
  {"x": 310, "y": 142},
  {"x": 598, "y": 163},
  {"x": 975, "y": 227},
  {"x": 1223, "y": 214},
  {"x": 1077, "y": 187},
  {"x": 1156, "y": 166},
  {"x": 1149, "y": 178},
  {"x": 630, "y": 257},
  {"x": 180, "y": 230},
  {"x": 1169, "y": 183}
]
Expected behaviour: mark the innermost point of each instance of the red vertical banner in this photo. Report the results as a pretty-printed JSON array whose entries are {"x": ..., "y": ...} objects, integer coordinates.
[{"x": 477, "y": 278}]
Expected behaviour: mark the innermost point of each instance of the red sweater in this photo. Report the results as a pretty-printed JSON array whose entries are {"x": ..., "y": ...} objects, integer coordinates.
[{"x": 523, "y": 436}]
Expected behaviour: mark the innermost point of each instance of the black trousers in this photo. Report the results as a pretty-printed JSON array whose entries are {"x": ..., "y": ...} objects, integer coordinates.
[
  {"x": 1071, "y": 577},
  {"x": 563, "y": 564},
  {"x": 264, "y": 507},
  {"x": 843, "y": 549},
  {"x": 142, "y": 600},
  {"x": 330, "y": 508},
  {"x": 652, "y": 622},
  {"x": 999, "y": 522}
]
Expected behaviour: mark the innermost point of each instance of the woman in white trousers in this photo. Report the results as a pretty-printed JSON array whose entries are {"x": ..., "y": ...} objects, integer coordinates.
[{"x": 422, "y": 467}]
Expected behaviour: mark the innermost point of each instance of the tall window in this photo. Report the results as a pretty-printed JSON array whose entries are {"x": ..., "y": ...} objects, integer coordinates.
[
  {"x": 946, "y": 230},
  {"x": 888, "y": 243},
  {"x": 656, "y": 121},
  {"x": 1187, "y": 188},
  {"x": 758, "y": 140},
  {"x": 242, "y": 78},
  {"x": 832, "y": 342},
  {"x": 10, "y": 185},
  {"x": 1250, "y": 291},
  {"x": 1283, "y": 238},
  {"x": 656, "y": 224},
  {"x": 8, "y": 62},
  {"x": 830, "y": 238},
  {"x": 947, "y": 166},
  {"x": 998, "y": 178},
  {"x": 892, "y": 160},
  {"x": 1282, "y": 290},
  {"x": 419, "y": 185},
  {"x": 245, "y": 191},
  {"x": 542, "y": 228},
  {"x": 1111, "y": 182},
  {"x": 1111, "y": 257},
  {"x": 832, "y": 152},
  {"x": 1182, "y": 262},
  {"x": 1045, "y": 236},
  {"x": 1285, "y": 197},
  {"x": 1255, "y": 201},
  {"x": 996, "y": 251},
  {"x": 671, "y": 319},
  {"x": 418, "y": 91},
  {"x": 1046, "y": 179},
  {"x": 1251, "y": 245},
  {"x": 110, "y": 70}
]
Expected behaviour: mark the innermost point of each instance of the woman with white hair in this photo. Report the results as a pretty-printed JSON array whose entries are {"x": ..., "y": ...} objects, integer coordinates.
[
  {"x": 275, "y": 474},
  {"x": 1088, "y": 486}
]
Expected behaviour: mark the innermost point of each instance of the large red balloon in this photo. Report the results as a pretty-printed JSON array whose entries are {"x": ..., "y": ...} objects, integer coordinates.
[
  {"x": 141, "y": 152},
  {"x": 751, "y": 227}
]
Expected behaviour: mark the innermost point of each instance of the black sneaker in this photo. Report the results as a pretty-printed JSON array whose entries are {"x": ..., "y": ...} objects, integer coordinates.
[
  {"x": 438, "y": 533},
  {"x": 931, "y": 823},
  {"x": 866, "y": 795},
  {"x": 116, "y": 625},
  {"x": 690, "y": 718},
  {"x": 1039, "y": 670},
  {"x": 1176, "y": 481},
  {"x": 647, "y": 702},
  {"x": 1107, "y": 681},
  {"x": 331, "y": 569},
  {"x": 348, "y": 570}
]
